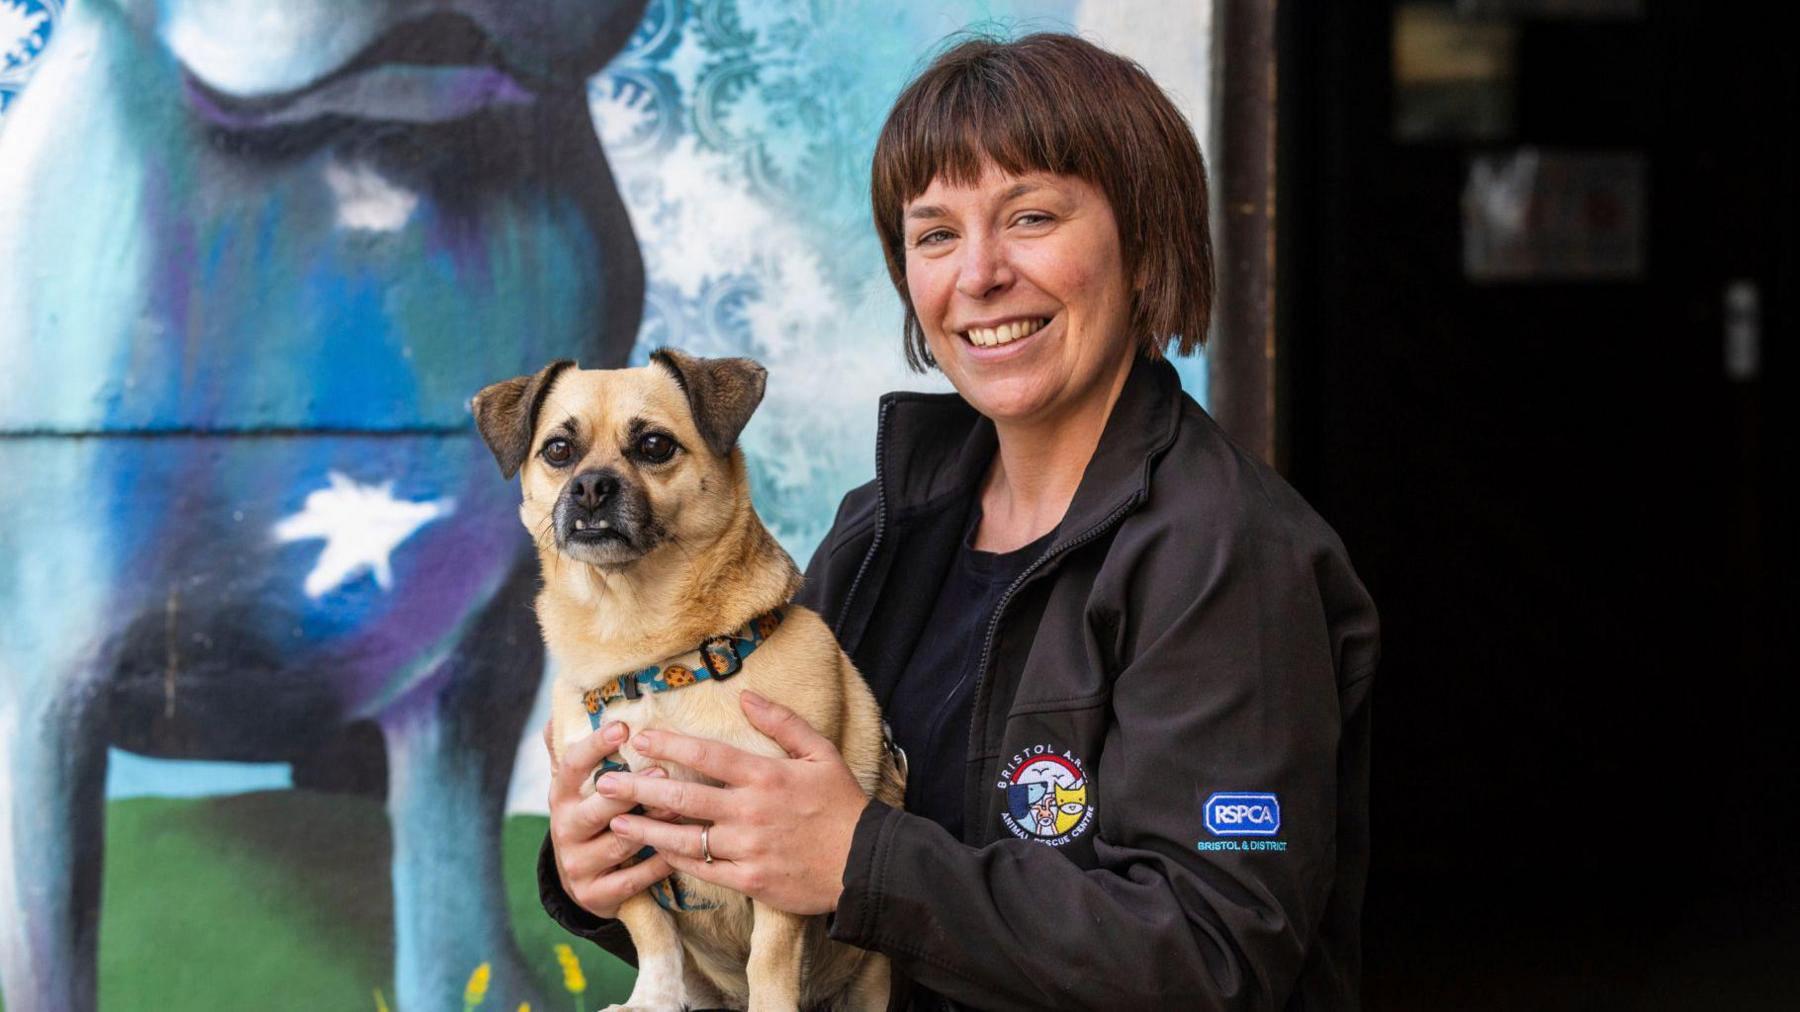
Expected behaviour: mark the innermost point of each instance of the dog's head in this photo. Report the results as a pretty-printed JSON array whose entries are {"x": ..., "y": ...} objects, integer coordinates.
[{"x": 617, "y": 462}]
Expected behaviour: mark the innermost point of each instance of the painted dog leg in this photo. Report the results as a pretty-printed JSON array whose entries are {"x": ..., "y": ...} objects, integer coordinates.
[
  {"x": 450, "y": 750},
  {"x": 52, "y": 786}
]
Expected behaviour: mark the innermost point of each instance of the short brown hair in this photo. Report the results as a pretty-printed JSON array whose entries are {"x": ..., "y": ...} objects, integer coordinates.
[{"x": 1059, "y": 104}]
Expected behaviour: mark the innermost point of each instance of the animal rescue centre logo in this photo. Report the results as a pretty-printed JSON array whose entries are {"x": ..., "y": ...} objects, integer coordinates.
[{"x": 1046, "y": 795}]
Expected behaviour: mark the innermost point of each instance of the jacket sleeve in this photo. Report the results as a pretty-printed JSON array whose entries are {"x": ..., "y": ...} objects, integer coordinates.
[{"x": 1230, "y": 689}]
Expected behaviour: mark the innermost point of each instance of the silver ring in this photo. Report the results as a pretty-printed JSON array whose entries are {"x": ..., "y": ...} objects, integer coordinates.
[{"x": 705, "y": 851}]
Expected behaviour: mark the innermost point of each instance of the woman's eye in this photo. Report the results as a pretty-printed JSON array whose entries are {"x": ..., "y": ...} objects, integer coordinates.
[
  {"x": 1032, "y": 218},
  {"x": 557, "y": 452},
  {"x": 933, "y": 237},
  {"x": 656, "y": 447}
]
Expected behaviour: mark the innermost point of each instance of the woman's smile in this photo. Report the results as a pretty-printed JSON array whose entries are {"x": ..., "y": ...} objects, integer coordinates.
[{"x": 1005, "y": 332}]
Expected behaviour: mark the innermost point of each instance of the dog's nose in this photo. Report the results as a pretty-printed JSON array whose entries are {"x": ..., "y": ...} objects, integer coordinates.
[{"x": 593, "y": 488}]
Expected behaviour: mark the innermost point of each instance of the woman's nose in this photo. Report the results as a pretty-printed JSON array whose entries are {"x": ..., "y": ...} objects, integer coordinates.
[{"x": 984, "y": 269}]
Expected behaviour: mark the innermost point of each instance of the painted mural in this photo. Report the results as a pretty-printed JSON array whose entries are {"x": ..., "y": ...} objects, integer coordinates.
[{"x": 268, "y": 676}]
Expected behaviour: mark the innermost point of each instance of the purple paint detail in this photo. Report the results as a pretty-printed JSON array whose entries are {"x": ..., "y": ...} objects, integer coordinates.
[{"x": 391, "y": 93}]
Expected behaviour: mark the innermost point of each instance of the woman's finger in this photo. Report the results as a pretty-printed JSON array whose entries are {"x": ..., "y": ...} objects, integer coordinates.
[
  {"x": 667, "y": 837},
  {"x": 729, "y": 874},
  {"x": 614, "y": 888},
  {"x": 596, "y": 858},
  {"x": 787, "y": 728},
  {"x": 709, "y": 758},
  {"x": 579, "y": 761},
  {"x": 589, "y": 817},
  {"x": 684, "y": 797},
  {"x": 640, "y": 876}
]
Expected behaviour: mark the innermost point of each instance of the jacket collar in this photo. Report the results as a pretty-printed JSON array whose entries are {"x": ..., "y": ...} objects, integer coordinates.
[{"x": 929, "y": 446}]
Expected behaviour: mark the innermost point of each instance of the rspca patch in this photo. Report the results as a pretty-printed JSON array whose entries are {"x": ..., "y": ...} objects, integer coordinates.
[
  {"x": 1046, "y": 795},
  {"x": 1242, "y": 813}
]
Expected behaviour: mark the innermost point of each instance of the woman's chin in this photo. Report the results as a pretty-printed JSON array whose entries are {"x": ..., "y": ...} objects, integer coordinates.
[{"x": 1007, "y": 399}]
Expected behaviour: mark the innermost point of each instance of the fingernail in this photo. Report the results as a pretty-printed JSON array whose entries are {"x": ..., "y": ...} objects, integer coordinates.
[
  {"x": 622, "y": 825},
  {"x": 655, "y": 771},
  {"x": 755, "y": 700},
  {"x": 644, "y": 742},
  {"x": 613, "y": 733},
  {"x": 607, "y": 784}
]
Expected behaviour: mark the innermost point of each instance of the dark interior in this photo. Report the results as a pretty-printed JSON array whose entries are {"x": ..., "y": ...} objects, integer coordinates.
[{"x": 1575, "y": 522}]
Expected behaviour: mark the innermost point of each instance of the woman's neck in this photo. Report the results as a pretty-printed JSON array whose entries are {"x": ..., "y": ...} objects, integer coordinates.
[{"x": 1039, "y": 466}]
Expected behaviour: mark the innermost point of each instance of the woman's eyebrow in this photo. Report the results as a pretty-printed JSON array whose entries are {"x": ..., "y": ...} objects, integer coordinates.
[{"x": 1013, "y": 192}]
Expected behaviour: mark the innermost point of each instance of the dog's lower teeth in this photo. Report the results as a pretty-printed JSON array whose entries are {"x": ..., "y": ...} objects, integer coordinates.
[
  {"x": 603, "y": 525},
  {"x": 580, "y": 524}
]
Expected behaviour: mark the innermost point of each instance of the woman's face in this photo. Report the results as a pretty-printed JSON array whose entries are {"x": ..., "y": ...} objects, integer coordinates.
[{"x": 1019, "y": 283}]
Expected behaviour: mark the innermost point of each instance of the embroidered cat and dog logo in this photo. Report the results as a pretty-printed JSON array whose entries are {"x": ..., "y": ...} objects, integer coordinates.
[{"x": 1046, "y": 796}]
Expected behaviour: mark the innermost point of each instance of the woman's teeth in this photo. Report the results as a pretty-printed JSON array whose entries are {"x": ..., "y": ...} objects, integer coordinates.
[{"x": 1006, "y": 333}]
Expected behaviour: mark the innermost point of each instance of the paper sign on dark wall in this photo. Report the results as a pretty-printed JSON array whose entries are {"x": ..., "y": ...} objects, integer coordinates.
[{"x": 1544, "y": 215}]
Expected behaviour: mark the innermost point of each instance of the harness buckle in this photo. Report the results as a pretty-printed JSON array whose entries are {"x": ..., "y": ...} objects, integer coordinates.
[
  {"x": 630, "y": 687},
  {"x": 895, "y": 753},
  {"x": 720, "y": 657}
]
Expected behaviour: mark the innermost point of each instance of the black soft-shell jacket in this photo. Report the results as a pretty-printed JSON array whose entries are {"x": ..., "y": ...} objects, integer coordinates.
[{"x": 1166, "y": 791}]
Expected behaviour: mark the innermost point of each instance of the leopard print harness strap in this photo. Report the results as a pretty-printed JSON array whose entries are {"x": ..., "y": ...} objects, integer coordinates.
[{"x": 719, "y": 657}]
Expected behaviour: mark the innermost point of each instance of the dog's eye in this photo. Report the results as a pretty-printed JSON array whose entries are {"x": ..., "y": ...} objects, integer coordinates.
[
  {"x": 656, "y": 447},
  {"x": 558, "y": 452}
]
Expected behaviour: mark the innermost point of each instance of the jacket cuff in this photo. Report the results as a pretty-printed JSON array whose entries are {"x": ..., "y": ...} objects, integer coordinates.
[
  {"x": 865, "y": 874},
  {"x": 605, "y": 932}
]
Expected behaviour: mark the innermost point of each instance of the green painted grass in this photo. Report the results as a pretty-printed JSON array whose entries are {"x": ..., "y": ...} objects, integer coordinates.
[{"x": 280, "y": 900}]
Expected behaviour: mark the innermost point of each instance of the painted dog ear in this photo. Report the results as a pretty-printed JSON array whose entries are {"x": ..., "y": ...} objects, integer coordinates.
[
  {"x": 506, "y": 413},
  {"x": 723, "y": 393}
]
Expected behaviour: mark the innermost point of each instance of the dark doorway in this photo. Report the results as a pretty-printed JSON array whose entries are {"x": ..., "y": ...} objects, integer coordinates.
[{"x": 1566, "y": 497}]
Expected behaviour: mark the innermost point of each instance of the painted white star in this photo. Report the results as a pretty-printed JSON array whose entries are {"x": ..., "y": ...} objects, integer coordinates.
[{"x": 361, "y": 526}]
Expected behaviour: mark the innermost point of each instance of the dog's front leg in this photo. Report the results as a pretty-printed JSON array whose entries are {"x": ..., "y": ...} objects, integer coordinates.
[
  {"x": 659, "y": 986},
  {"x": 868, "y": 991},
  {"x": 777, "y": 951}
]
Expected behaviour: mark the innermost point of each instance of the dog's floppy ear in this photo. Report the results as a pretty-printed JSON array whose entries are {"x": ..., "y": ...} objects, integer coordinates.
[
  {"x": 723, "y": 392},
  {"x": 506, "y": 413}
]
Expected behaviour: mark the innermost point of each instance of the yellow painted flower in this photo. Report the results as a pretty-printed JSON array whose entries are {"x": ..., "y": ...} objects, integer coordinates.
[
  {"x": 380, "y": 1002},
  {"x": 476, "y": 992},
  {"x": 573, "y": 979}
]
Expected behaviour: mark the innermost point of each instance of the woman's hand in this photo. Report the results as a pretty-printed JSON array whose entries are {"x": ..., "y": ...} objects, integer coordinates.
[
  {"x": 587, "y": 852},
  {"x": 781, "y": 828}
]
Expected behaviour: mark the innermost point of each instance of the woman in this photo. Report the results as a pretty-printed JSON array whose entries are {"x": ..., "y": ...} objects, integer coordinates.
[{"x": 1130, "y": 665}]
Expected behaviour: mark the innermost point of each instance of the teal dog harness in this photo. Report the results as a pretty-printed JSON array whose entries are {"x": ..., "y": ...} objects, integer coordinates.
[{"x": 719, "y": 657}]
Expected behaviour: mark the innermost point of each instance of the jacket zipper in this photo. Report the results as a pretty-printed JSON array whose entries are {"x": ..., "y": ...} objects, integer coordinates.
[
  {"x": 987, "y": 646},
  {"x": 880, "y": 515}
]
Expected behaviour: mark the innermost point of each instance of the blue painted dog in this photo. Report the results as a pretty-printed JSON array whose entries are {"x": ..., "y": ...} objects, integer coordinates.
[{"x": 257, "y": 255}]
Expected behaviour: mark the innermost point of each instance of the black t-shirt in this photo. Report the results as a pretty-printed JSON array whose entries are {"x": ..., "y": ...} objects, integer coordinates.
[{"x": 930, "y": 708}]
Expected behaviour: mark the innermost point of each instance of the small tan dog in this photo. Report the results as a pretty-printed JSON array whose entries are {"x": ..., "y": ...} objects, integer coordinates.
[{"x": 665, "y": 597}]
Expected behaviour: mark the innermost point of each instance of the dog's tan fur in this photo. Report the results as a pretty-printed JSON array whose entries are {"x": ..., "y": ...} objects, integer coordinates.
[{"x": 714, "y": 568}]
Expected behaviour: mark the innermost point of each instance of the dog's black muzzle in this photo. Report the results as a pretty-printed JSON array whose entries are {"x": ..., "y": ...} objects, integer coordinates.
[{"x": 600, "y": 509}]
